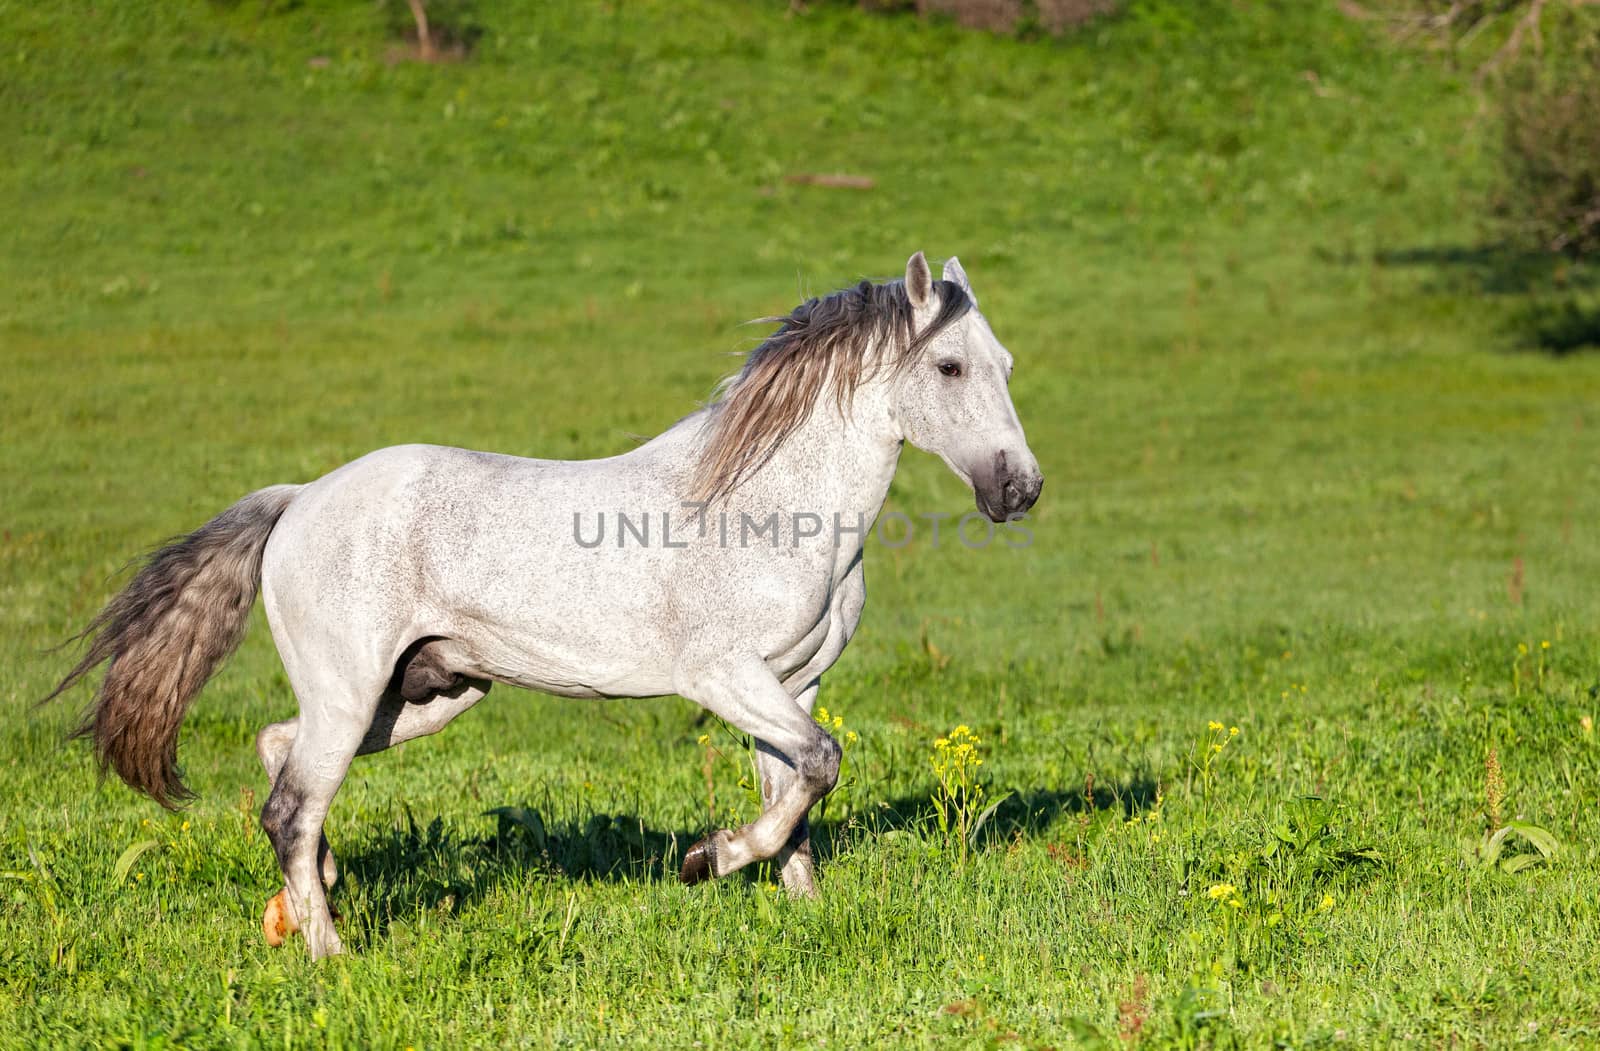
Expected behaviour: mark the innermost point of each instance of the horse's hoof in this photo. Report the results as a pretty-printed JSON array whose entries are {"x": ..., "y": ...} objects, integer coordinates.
[
  {"x": 277, "y": 923},
  {"x": 698, "y": 863}
]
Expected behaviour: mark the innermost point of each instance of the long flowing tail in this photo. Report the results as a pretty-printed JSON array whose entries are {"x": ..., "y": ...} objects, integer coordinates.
[{"x": 165, "y": 634}]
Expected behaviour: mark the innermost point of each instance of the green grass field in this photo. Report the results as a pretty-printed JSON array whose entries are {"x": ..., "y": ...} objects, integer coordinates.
[{"x": 1303, "y": 479}]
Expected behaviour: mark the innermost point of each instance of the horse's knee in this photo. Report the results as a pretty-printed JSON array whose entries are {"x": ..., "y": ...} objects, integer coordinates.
[{"x": 818, "y": 764}]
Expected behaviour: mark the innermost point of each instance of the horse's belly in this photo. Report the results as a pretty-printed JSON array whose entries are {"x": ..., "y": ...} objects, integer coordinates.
[{"x": 548, "y": 670}]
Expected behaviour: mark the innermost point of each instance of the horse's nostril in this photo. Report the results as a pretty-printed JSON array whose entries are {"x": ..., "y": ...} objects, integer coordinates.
[{"x": 1013, "y": 495}]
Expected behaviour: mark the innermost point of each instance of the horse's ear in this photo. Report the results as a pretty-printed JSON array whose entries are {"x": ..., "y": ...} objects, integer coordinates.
[
  {"x": 958, "y": 277},
  {"x": 919, "y": 281}
]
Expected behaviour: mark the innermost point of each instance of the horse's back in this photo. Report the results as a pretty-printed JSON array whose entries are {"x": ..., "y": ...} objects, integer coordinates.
[{"x": 416, "y": 540}]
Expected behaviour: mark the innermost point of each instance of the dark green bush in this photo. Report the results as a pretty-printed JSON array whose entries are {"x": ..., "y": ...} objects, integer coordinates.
[{"x": 1549, "y": 108}]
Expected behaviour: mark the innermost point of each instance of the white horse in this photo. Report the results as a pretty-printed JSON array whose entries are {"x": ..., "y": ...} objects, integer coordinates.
[{"x": 401, "y": 585}]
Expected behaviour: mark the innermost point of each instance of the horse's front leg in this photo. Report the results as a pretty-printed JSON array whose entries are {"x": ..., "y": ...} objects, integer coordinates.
[
  {"x": 794, "y": 859},
  {"x": 750, "y": 697}
]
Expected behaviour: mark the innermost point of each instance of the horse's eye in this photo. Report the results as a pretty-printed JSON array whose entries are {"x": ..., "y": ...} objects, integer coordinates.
[{"x": 949, "y": 368}]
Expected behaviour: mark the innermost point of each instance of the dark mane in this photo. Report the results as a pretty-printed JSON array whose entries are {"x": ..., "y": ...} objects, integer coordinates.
[{"x": 823, "y": 345}]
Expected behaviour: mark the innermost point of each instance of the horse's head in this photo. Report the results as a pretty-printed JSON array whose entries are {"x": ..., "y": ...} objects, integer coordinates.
[{"x": 954, "y": 399}]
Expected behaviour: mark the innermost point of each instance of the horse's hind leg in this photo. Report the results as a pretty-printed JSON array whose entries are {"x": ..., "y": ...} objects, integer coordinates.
[
  {"x": 396, "y": 721},
  {"x": 326, "y": 740},
  {"x": 272, "y": 747}
]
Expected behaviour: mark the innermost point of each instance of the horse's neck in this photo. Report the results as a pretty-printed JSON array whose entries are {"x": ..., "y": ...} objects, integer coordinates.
[{"x": 836, "y": 463}]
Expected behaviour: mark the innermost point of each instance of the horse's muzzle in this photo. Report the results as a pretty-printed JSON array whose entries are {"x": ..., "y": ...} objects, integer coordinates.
[{"x": 1007, "y": 488}]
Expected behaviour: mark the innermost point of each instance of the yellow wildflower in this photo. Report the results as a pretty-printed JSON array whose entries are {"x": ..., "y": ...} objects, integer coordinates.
[
  {"x": 1326, "y": 903},
  {"x": 1213, "y": 725},
  {"x": 1221, "y": 890},
  {"x": 704, "y": 738}
]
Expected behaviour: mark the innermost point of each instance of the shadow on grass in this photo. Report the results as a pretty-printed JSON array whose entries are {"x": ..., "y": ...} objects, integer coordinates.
[
  {"x": 1029, "y": 813},
  {"x": 1559, "y": 313},
  {"x": 1490, "y": 268},
  {"x": 417, "y": 868}
]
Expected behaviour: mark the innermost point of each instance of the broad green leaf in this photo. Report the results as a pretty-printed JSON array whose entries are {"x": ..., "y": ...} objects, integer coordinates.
[
  {"x": 1543, "y": 841},
  {"x": 983, "y": 818},
  {"x": 1489, "y": 850},
  {"x": 764, "y": 909},
  {"x": 130, "y": 857}
]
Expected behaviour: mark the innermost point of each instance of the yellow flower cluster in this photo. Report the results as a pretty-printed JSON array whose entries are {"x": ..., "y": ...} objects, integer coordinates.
[
  {"x": 956, "y": 753},
  {"x": 958, "y": 796},
  {"x": 1227, "y": 894},
  {"x": 1220, "y": 742},
  {"x": 835, "y": 722},
  {"x": 1152, "y": 819}
]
